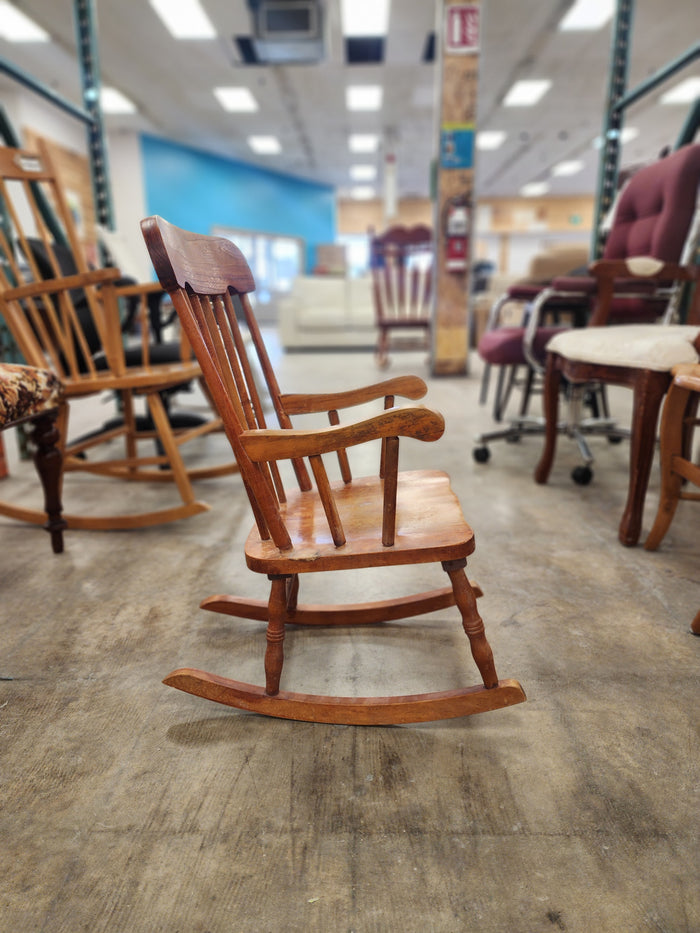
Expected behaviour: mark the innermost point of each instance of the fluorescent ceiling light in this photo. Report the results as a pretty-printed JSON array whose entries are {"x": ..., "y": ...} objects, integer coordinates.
[
  {"x": 363, "y": 97},
  {"x": 526, "y": 93},
  {"x": 364, "y": 17},
  {"x": 587, "y": 14},
  {"x": 113, "y": 101},
  {"x": 363, "y": 142},
  {"x": 490, "y": 139},
  {"x": 265, "y": 145},
  {"x": 684, "y": 93},
  {"x": 16, "y": 27},
  {"x": 534, "y": 189},
  {"x": 363, "y": 172},
  {"x": 362, "y": 193},
  {"x": 185, "y": 19},
  {"x": 570, "y": 167},
  {"x": 236, "y": 99}
]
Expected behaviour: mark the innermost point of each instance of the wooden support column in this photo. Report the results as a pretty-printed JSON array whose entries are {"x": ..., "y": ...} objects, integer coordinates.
[{"x": 458, "y": 33}]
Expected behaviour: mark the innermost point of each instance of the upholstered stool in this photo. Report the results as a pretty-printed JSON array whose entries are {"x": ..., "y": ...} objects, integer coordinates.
[
  {"x": 640, "y": 356},
  {"x": 34, "y": 395}
]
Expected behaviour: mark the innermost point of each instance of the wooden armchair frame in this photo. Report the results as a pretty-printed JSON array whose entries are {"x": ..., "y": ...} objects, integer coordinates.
[
  {"x": 71, "y": 325},
  {"x": 390, "y": 519}
]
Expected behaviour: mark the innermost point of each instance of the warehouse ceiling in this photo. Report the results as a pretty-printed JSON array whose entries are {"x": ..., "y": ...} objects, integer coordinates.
[{"x": 171, "y": 83}]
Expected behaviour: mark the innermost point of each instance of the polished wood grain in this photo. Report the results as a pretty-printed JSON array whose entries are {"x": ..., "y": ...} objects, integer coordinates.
[
  {"x": 389, "y": 519},
  {"x": 71, "y": 323}
]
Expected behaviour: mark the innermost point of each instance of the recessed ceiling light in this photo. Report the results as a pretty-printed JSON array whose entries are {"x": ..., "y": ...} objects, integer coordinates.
[
  {"x": 570, "y": 167},
  {"x": 364, "y": 17},
  {"x": 236, "y": 99},
  {"x": 363, "y": 142},
  {"x": 184, "y": 19},
  {"x": 362, "y": 192},
  {"x": 265, "y": 145},
  {"x": 363, "y": 172},
  {"x": 587, "y": 14},
  {"x": 490, "y": 139},
  {"x": 526, "y": 93},
  {"x": 684, "y": 93},
  {"x": 534, "y": 189},
  {"x": 113, "y": 101},
  {"x": 363, "y": 97},
  {"x": 17, "y": 27}
]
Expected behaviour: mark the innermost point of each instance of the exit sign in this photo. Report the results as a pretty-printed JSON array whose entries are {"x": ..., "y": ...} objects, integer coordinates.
[{"x": 461, "y": 28}]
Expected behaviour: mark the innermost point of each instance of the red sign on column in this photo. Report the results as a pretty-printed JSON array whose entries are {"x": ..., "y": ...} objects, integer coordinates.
[{"x": 462, "y": 28}]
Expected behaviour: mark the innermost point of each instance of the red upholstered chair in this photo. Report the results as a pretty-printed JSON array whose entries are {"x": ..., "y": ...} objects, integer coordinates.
[
  {"x": 653, "y": 217},
  {"x": 502, "y": 344},
  {"x": 648, "y": 262}
]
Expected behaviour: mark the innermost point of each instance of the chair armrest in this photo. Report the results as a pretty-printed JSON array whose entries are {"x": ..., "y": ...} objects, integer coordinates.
[
  {"x": 138, "y": 288},
  {"x": 640, "y": 267},
  {"x": 41, "y": 287},
  {"x": 284, "y": 444},
  {"x": 412, "y": 387}
]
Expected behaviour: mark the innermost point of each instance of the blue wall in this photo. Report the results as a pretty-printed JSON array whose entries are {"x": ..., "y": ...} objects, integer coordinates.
[{"x": 197, "y": 191}]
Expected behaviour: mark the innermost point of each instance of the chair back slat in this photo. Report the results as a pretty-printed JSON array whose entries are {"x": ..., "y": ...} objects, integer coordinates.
[{"x": 205, "y": 276}]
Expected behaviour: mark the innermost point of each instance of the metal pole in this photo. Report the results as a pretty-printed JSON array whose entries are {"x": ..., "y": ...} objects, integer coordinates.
[
  {"x": 88, "y": 56},
  {"x": 612, "y": 125}
]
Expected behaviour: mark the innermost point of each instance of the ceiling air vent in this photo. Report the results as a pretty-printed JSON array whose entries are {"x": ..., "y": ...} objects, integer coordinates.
[{"x": 287, "y": 31}]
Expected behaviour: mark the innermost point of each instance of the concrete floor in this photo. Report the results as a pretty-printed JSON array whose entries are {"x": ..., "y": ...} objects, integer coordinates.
[{"x": 128, "y": 806}]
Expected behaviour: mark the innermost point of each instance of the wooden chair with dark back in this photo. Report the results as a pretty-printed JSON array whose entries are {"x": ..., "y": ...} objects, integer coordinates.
[
  {"x": 401, "y": 262},
  {"x": 390, "y": 519},
  {"x": 71, "y": 325}
]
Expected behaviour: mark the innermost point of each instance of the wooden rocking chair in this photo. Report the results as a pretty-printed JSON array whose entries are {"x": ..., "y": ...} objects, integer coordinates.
[
  {"x": 71, "y": 325},
  {"x": 386, "y": 520}
]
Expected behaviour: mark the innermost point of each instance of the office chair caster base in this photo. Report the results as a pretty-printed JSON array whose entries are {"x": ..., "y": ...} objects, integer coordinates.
[
  {"x": 355, "y": 711},
  {"x": 582, "y": 475},
  {"x": 481, "y": 454}
]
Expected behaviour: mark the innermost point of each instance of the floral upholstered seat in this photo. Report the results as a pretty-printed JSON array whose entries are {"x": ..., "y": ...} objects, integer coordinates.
[
  {"x": 26, "y": 392},
  {"x": 35, "y": 395}
]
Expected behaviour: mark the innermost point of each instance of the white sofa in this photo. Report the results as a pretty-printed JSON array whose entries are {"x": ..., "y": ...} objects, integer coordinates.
[{"x": 327, "y": 312}]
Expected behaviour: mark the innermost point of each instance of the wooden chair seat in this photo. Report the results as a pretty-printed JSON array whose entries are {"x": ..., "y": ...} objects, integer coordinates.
[
  {"x": 393, "y": 518},
  {"x": 429, "y": 527}
]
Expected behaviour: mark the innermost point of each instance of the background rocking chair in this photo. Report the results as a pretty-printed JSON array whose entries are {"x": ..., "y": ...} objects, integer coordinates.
[
  {"x": 71, "y": 325},
  {"x": 401, "y": 260},
  {"x": 386, "y": 520}
]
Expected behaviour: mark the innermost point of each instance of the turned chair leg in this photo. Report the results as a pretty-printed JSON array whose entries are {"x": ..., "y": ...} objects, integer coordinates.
[
  {"x": 471, "y": 621},
  {"x": 695, "y": 625},
  {"x": 277, "y": 613},
  {"x": 48, "y": 461}
]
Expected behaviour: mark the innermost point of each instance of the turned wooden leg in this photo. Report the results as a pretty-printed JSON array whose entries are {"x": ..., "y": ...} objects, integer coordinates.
[
  {"x": 274, "y": 654},
  {"x": 550, "y": 406},
  {"x": 674, "y": 441},
  {"x": 471, "y": 621},
  {"x": 649, "y": 390},
  {"x": 48, "y": 462}
]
